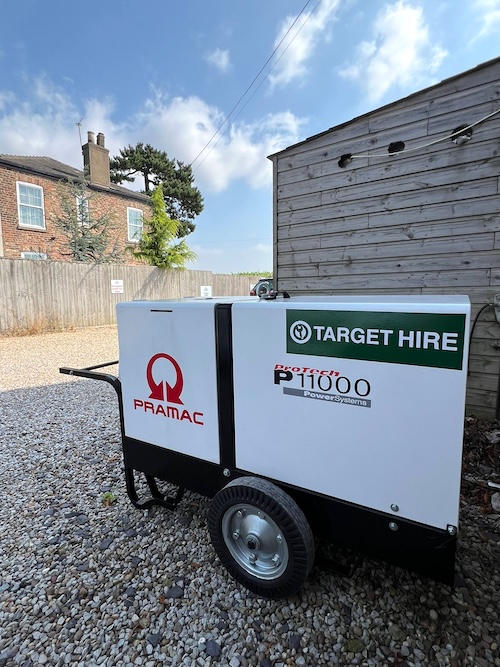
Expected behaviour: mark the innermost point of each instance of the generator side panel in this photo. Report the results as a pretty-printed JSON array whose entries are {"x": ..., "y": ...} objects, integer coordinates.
[
  {"x": 168, "y": 375},
  {"x": 347, "y": 402}
]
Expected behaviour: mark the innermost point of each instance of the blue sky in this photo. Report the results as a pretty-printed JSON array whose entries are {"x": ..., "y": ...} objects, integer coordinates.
[{"x": 168, "y": 73}]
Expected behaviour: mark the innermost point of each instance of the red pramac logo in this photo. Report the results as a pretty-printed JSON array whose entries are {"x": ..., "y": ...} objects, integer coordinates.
[
  {"x": 166, "y": 396},
  {"x": 173, "y": 394}
]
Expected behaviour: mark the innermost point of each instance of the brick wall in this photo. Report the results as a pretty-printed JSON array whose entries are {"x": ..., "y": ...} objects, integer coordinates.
[{"x": 50, "y": 240}]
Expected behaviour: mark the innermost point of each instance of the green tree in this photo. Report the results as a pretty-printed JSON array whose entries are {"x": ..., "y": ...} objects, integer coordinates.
[
  {"x": 89, "y": 238},
  {"x": 183, "y": 200},
  {"x": 159, "y": 245}
]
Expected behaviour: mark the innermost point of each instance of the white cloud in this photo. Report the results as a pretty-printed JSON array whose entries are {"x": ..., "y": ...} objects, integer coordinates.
[
  {"x": 203, "y": 252},
  {"x": 264, "y": 248},
  {"x": 400, "y": 54},
  {"x": 40, "y": 126},
  {"x": 488, "y": 12},
  {"x": 6, "y": 98},
  {"x": 233, "y": 260},
  {"x": 220, "y": 59},
  {"x": 184, "y": 126},
  {"x": 300, "y": 42},
  {"x": 46, "y": 125}
]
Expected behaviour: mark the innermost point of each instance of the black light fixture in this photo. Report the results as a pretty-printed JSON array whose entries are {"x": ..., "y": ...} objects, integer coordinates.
[
  {"x": 345, "y": 160},
  {"x": 396, "y": 147},
  {"x": 461, "y": 135}
]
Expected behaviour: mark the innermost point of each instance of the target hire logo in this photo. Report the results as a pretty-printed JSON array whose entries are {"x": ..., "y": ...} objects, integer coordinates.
[
  {"x": 166, "y": 396},
  {"x": 300, "y": 332},
  {"x": 416, "y": 339}
]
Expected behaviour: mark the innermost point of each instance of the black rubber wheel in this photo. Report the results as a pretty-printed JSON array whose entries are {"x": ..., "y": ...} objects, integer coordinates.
[{"x": 261, "y": 536}]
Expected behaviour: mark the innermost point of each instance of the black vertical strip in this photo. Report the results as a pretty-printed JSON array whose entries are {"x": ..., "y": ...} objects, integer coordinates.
[{"x": 225, "y": 387}]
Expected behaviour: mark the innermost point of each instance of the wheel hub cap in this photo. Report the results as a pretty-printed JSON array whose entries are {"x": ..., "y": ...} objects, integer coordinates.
[{"x": 255, "y": 541}]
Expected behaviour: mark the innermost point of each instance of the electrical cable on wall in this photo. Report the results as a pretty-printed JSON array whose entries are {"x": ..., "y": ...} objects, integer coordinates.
[{"x": 348, "y": 157}]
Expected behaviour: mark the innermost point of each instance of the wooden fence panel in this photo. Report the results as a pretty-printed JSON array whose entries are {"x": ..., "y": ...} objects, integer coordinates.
[{"x": 46, "y": 296}]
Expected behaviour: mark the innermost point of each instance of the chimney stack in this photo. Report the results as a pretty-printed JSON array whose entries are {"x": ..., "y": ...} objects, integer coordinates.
[{"x": 96, "y": 160}]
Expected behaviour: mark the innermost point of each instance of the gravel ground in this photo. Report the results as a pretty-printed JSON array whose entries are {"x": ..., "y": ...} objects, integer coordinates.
[{"x": 85, "y": 584}]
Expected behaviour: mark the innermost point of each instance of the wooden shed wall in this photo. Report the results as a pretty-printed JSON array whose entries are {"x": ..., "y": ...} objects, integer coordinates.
[{"x": 423, "y": 221}]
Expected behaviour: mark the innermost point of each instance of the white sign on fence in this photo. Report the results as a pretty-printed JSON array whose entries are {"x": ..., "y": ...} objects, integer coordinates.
[
  {"x": 117, "y": 287},
  {"x": 206, "y": 291}
]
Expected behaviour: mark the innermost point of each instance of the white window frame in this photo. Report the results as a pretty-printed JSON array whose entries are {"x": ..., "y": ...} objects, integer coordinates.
[
  {"x": 31, "y": 254},
  {"x": 133, "y": 237},
  {"x": 22, "y": 224},
  {"x": 82, "y": 211}
]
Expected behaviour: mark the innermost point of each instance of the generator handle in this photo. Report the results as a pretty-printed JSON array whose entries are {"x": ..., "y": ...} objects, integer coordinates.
[
  {"x": 157, "y": 497},
  {"x": 89, "y": 372}
]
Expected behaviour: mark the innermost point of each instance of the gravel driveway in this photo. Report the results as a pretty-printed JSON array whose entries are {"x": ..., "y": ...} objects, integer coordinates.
[{"x": 84, "y": 584}]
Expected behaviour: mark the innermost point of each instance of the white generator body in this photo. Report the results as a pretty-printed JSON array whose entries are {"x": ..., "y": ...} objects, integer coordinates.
[
  {"x": 354, "y": 406},
  {"x": 369, "y": 409}
]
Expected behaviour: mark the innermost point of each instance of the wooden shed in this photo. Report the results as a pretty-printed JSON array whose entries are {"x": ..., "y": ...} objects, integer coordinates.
[{"x": 404, "y": 199}]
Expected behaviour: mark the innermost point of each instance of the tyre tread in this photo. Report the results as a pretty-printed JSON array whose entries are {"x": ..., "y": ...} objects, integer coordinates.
[{"x": 286, "y": 513}]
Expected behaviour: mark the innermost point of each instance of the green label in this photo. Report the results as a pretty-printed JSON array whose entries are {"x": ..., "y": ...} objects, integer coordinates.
[{"x": 417, "y": 339}]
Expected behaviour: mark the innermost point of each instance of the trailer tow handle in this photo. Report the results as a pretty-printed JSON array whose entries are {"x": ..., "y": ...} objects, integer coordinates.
[{"x": 157, "y": 497}]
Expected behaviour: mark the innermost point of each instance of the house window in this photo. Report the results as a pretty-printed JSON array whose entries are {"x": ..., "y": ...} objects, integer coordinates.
[
  {"x": 30, "y": 206},
  {"x": 33, "y": 255},
  {"x": 82, "y": 211},
  {"x": 135, "y": 224}
]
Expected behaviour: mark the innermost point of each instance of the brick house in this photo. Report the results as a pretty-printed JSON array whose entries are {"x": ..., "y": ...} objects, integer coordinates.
[{"x": 31, "y": 192}]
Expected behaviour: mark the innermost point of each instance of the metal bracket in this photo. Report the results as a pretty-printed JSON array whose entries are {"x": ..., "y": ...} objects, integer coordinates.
[
  {"x": 336, "y": 567},
  {"x": 169, "y": 502},
  {"x": 345, "y": 568}
]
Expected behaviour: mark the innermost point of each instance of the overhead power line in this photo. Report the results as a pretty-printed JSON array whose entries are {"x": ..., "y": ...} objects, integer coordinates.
[
  {"x": 226, "y": 120},
  {"x": 257, "y": 88}
]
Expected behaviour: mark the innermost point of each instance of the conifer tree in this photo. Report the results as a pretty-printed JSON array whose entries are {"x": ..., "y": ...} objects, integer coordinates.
[
  {"x": 183, "y": 200},
  {"x": 159, "y": 244}
]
